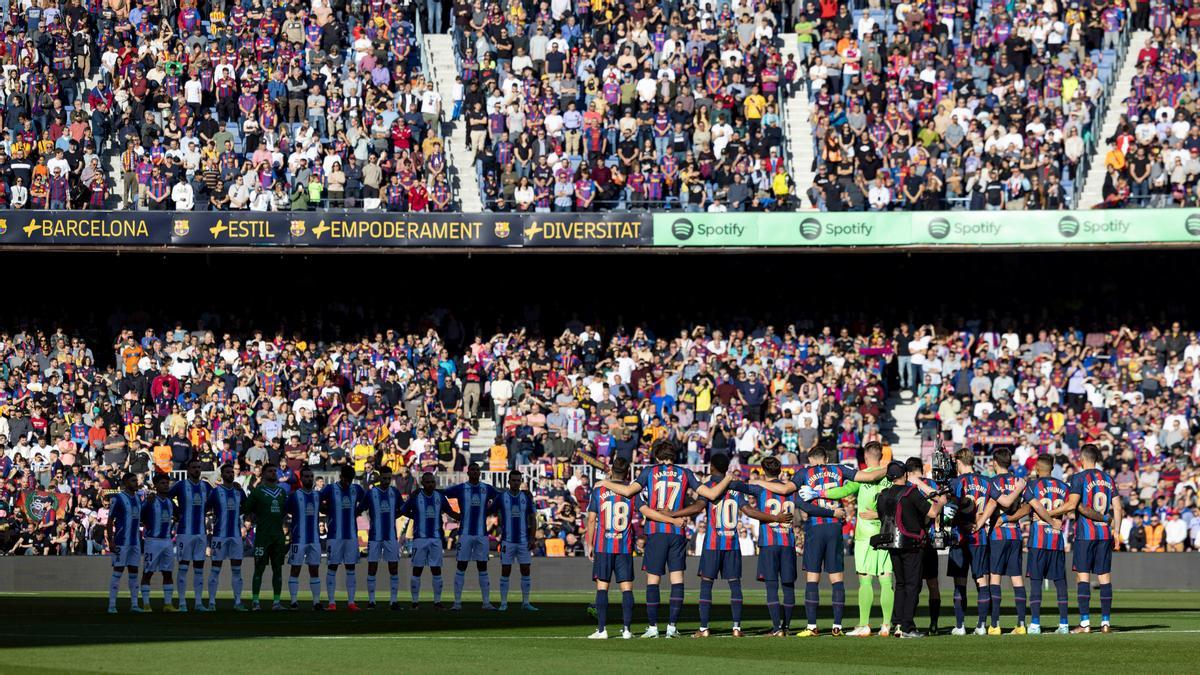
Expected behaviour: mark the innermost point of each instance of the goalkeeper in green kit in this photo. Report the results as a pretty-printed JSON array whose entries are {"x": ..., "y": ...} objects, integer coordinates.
[
  {"x": 265, "y": 509},
  {"x": 868, "y": 562}
]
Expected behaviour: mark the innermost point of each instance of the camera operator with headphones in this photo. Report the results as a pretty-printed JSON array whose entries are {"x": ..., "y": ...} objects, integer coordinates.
[{"x": 905, "y": 513}]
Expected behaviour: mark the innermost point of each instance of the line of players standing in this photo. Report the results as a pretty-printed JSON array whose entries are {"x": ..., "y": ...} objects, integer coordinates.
[{"x": 170, "y": 530}]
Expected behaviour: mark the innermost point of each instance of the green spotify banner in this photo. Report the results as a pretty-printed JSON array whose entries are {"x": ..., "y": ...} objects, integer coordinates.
[{"x": 957, "y": 228}]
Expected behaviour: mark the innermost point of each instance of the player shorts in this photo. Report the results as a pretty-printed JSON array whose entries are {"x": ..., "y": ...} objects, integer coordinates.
[
  {"x": 427, "y": 552},
  {"x": 967, "y": 562},
  {"x": 1044, "y": 563},
  {"x": 127, "y": 556},
  {"x": 304, "y": 554},
  {"x": 342, "y": 552},
  {"x": 724, "y": 564},
  {"x": 665, "y": 553},
  {"x": 1004, "y": 557},
  {"x": 510, "y": 550},
  {"x": 929, "y": 563},
  {"x": 869, "y": 561},
  {"x": 473, "y": 547},
  {"x": 227, "y": 548},
  {"x": 191, "y": 547},
  {"x": 159, "y": 556},
  {"x": 1092, "y": 556},
  {"x": 777, "y": 563},
  {"x": 383, "y": 551},
  {"x": 823, "y": 549},
  {"x": 605, "y": 566}
]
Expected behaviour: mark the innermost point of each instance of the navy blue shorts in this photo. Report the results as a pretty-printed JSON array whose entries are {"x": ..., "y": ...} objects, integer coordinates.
[
  {"x": 665, "y": 553},
  {"x": 724, "y": 564},
  {"x": 1004, "y": 557},
  {"x": 777, "y": 563},
  {"x": 1092, "y": 556},
  {"x": 823, "y": 549},
  {"x": 1044, "y": 563},
  {"x": 607, "y": 565},
  {"x": 967, "y": 562}
]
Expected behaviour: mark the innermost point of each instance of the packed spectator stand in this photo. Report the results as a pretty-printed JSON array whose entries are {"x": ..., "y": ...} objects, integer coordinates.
[{"x": 76, "y": 415}]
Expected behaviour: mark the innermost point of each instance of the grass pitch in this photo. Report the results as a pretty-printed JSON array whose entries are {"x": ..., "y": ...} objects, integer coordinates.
[{"x": 1155, "y": 632}]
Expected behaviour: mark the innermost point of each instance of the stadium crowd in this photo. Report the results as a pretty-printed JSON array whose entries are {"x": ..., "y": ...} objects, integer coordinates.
[
  {"x": 209, "y": 106},
  {"x": 591, "y": 105},
  {"x": 955, "y": 105},
  {"x": 73, "y": 419}
]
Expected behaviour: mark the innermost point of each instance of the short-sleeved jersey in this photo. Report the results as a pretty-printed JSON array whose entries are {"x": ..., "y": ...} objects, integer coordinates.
[
  {"x": 383, "y": 508},
  {"x": 722, "y": 516},
  {"x": 516, "y": 512},
  {"x": 158, "y": 516},
  {"x": 125, "y": 512},
  {"x": 614, "y": 520},
  {"x": 665, "y": 488},
  {"x": 823, "y": 477},
  {"x": 190, "y": 502},
  {"x": 340, "y": 506},
  {"x": 304, "y": 506},
  {"x": 474, "y": 501},
  {"x": 972, "y": 487},
  {"x": 225, "y": 503},
  {"x": 1050, "y": 493},
  {"x": 774, "y": 534},
  {"x": 268, "y": 506},
  {"x": 1095, "y": 489},
  {"x": 1004, "y": 529},
  {"x": 426, "y": 511}
]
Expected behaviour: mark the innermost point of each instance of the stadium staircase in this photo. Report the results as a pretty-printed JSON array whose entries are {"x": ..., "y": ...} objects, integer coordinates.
[
  {"x": 439, "y": 49},
  {"x": 484, "y": 436},
  {"x": 801, "y": 147},
  {"x": 901, "y": 429},
  {"x": 1093, "y": 186}
]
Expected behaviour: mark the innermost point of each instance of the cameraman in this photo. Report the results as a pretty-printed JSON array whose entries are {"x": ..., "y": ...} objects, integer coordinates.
[{"x": 913, "y": 513}]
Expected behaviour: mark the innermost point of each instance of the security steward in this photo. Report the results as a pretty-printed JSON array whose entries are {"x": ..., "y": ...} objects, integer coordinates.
[{"x": 911, "y": 512}]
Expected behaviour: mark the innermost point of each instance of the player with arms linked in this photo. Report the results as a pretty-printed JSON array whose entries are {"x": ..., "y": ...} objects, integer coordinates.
[
  {"x": 969, "y": 547},
  {"x": 225, "y": 503},
  {"x": 1002, "y": 516},
  {"x": 609, "y": 545},
  {"x": 425, "y": 508},
  {"x": 823, "y": 548},
  {"x": 722, "y": 555},
  {"x": 1047, "y": 559},
  {"x": 667, "y": 488},
  {"x": 1093, "y": 496}
]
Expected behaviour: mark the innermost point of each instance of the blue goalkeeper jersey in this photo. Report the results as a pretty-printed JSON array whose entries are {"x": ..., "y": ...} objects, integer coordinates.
[
  {"x": 516, "y": 512},
  {"x": 190, "y": 502},
  {"x": 474, "y": 500},
  {"x": 382, "y": 507},
  {"x": 340, "y": 506},
  {"x": 125, "y": 512},
  {"x": 158, "y": 515},
  {"x": 304, "y": 506},
  {"x": 426, "y": 511},
  {"x": 226, "y": 507}
]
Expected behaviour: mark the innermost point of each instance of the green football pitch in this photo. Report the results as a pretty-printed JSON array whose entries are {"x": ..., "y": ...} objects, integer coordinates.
[{"x": 1155, "y": 632}]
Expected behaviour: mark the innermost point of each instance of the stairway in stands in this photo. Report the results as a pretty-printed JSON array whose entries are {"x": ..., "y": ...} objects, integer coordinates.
[
  {"x": 439, "y": 49},
  {"x": 798, "y": 126},
  {"x": 902, "y": 433},
  {"x": 1093, "y": 186}
]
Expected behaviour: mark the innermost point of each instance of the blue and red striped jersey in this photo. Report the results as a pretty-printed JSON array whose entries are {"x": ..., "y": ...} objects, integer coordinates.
[
  {"x": 1050, "y": 493},
  {"x": 774, "y": 534},
  {"x": 973, "y": 487},
  {"x": 722, "y": 516},
  {"x": 614, "y": 520},
  {"x": 1003, "y": 529},
  {"x": 823, "y": 477},
  {"x": 665, "y": 488},
  {"x": 1095, "y": 489}
]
